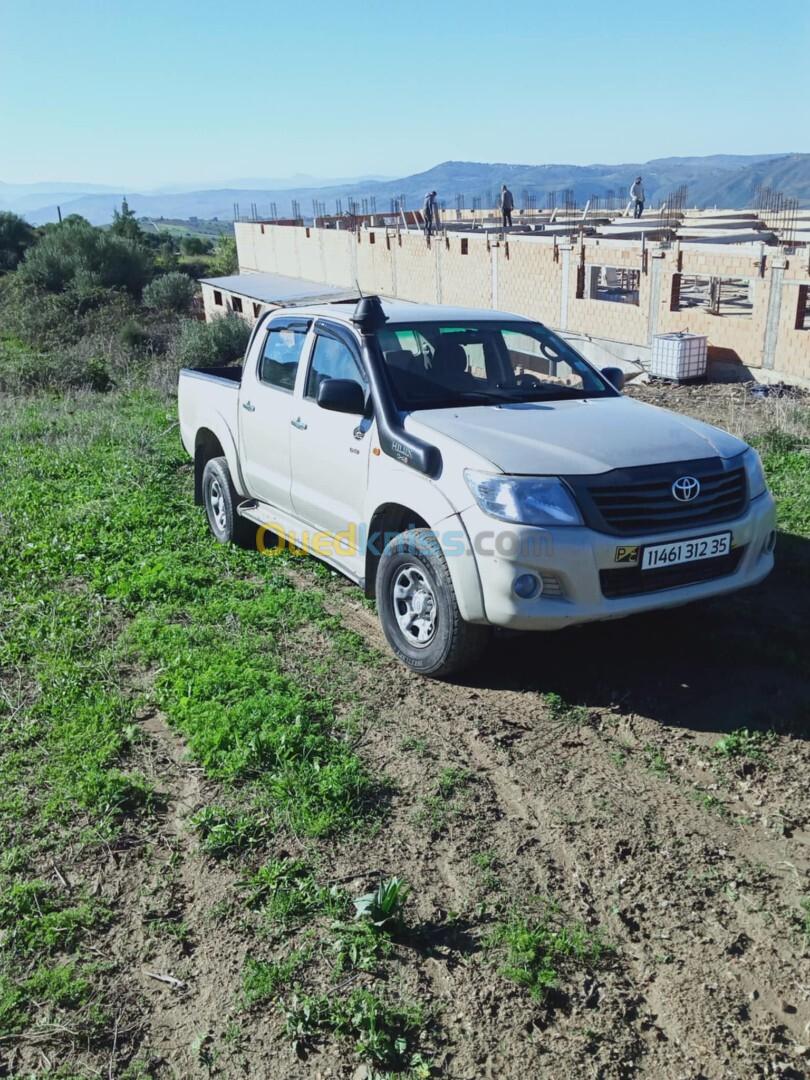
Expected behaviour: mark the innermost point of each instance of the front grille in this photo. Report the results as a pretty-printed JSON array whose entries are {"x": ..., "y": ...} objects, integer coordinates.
[
  {"x": 634, "y": 581},
  {"x": 631, "y": 501}
]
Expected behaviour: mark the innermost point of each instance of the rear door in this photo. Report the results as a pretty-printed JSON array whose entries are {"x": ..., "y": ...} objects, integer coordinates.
[
  {"x": 330, "y": 450},
  {"x": 266, "y": 404}
]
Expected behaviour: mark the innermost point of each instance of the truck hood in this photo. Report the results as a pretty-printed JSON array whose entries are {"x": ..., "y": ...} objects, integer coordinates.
[{"x": 575, "y": 437}]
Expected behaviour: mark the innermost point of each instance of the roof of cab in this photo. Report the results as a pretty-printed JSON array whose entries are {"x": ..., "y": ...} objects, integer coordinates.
[{"x": 401, "y": 311}]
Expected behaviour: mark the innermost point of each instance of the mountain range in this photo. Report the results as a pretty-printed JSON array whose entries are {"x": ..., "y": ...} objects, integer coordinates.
[{"x": 721, "y": 180}]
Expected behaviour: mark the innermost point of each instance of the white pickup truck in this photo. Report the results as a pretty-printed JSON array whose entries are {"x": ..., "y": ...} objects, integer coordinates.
[{"x": 469, "y": 469}]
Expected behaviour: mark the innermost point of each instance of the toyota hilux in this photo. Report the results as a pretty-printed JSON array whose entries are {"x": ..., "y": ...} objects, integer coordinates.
[{"x": 469, "y": 469}]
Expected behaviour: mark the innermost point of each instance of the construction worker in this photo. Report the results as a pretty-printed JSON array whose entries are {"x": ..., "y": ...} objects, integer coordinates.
[
  {"x": 637, "y": 195},
  {"x": 507, "y": 204},
  {"x": 430, "y": 212}
]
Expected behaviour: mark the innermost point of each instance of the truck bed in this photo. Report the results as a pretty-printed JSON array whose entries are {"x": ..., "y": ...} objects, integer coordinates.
[{"x": 208, "y": 401}]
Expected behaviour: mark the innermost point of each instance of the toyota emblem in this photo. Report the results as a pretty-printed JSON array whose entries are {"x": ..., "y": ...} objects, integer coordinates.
[{"x": 686, "y": 488}]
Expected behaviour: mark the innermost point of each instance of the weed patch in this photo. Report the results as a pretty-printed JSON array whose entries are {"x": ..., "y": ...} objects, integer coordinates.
[
  {"x": 540, "y": 954},
  {"x": 743, "y": 744},
  {"x": 383, "y": 1033},
  {"x": 263, "y": 981}
]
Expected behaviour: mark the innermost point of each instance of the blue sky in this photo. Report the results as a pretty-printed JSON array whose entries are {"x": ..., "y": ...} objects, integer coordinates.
[{"x": 169, "y": 91}]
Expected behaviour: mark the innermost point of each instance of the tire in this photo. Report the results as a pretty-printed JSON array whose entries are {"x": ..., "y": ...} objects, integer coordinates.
[
  {"x": 220, "y": 500},
  {"x": 417, "y": 608}
]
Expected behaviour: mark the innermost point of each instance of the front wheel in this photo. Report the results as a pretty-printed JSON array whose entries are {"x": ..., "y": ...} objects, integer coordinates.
[{"x": 417, "y": 607}]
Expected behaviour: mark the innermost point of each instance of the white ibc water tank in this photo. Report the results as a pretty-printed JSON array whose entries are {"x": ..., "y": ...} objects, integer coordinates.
[{"x": 678, "y": 356}]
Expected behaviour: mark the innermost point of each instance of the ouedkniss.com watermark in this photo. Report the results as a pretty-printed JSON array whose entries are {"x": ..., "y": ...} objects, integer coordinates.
[{"x": 274, "y": 539}]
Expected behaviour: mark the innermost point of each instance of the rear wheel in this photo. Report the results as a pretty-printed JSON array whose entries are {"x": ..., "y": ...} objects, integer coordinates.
[
  {"x": 220, "y": 499},
  {"x": 418, "y": 610}
]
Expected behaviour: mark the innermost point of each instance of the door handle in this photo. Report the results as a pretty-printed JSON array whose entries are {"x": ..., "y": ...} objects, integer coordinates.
[
  {"x": 299, "y": 423},
  {"x": 249, "y": 406}
]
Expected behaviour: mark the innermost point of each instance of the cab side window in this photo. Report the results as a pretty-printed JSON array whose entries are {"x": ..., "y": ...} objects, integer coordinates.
[
  {"x": 331, "y": 359},
  {"x": 282, "y": 351}
]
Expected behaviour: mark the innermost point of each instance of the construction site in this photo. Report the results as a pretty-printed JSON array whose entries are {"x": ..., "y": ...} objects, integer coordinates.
[{"x": 612, "y": 283}]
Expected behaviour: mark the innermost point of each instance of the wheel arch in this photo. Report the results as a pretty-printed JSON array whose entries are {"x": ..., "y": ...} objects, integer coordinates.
[
  {"x": 394, "y": 517},
  {"x": 388, "y": 519},
  {"x": 206, "y": 447},
  {"x": 215, "y": 440}
]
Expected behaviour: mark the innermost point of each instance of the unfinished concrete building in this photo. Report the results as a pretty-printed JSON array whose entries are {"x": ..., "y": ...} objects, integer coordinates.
[{"x": 608, "y": 282}]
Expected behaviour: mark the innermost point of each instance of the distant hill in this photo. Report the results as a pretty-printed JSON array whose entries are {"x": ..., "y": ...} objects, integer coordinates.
[
  {"x": 719, "y": 179},
  {"x": 789, "y": 174}
]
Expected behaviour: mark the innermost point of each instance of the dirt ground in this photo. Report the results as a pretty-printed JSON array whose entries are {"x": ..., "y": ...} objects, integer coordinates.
[{"x": 590, "y": 777}]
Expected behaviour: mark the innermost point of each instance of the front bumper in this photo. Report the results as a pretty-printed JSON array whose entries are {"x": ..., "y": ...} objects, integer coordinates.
[{"x": 575, "y": 556}]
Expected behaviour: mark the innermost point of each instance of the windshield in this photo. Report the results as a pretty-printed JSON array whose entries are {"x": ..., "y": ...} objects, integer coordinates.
[{"x": 436, "y": 365}]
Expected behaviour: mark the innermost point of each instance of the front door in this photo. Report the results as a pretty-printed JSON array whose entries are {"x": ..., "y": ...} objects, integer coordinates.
[
  {"x": 329, "y": 450},
  {"x": 266, "y": 405}
]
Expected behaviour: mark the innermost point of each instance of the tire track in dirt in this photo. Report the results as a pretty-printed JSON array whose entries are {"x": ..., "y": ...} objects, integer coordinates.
[
  {"x": 167, "y": 931},
  {"x": 659, "y": 871}
]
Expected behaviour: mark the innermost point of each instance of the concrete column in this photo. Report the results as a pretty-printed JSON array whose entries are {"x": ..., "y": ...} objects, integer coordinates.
[
  {"x": 656, "y": 267},
  {"x": 438, "y": 245},
  {"x": 493, "y": 255},
  {"x": 565, "y": 266},
  {"x": 351, "y": 240},
  {"x": 772, "y": 318}
]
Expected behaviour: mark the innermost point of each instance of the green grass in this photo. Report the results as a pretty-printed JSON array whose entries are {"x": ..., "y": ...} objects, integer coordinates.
[
  {"x": 540, "y": 954},
  {"x": 106, "y": 569},
  {"x": 786, "y": 459}
]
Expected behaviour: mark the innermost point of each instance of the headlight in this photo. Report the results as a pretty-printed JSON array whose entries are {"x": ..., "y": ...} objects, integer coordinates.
[
  {"x": 754, "y": 474},
  {"x": 525, "y": 500}
]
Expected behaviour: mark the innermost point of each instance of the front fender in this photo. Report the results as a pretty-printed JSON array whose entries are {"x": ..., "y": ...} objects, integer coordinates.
[{"x": 422, "y": 496}]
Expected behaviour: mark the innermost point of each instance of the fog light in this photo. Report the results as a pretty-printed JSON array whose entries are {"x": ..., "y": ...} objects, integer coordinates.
[{"x": 526, "y": 586}]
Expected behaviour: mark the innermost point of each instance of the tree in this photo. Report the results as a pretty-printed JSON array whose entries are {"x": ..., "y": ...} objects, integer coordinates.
[
  {"x": 170, "y": 293},
  {"x": 125, "y": 223},
  {"x": 195, "y": 245},
  {"x": 225, "y": 260},
  {"x": 16, "y": 236}
]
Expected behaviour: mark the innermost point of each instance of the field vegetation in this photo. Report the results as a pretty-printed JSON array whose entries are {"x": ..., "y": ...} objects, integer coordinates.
[{"x": 236, "y": 839}]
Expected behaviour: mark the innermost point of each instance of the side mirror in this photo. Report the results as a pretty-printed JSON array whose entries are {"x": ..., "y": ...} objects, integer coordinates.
[
  {"x": 343, "y": 396},
  {"x": 615, "y": 376}
]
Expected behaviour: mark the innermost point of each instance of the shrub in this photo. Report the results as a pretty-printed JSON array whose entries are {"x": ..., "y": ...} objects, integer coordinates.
[
  {"x": 170, "y": 293},
  {"x": 212, "y": 344},
  {"x": 80, "y": 257},
  {"x": 132, "y": 335}
]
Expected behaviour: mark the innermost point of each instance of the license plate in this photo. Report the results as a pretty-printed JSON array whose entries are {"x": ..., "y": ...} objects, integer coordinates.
[{"x": 683, "y": 551}]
